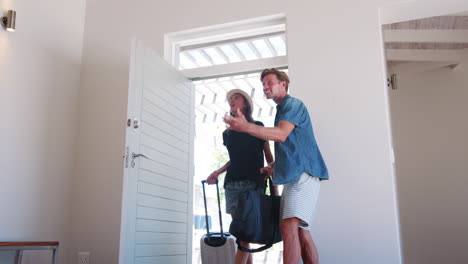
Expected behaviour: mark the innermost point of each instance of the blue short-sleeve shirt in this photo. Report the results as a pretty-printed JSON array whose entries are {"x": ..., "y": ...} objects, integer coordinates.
[{"x": 299, "y": 153}]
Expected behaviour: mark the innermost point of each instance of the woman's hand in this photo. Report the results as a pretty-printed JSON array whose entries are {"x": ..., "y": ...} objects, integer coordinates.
[
  {"x": 215, "y": 174},
  {"x": 213, "y": 177}
]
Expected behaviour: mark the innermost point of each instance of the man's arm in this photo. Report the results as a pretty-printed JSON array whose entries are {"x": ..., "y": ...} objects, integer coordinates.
[{"x": 278, "y": 134}]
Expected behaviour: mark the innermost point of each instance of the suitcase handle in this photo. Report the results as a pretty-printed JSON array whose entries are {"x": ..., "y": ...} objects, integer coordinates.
[{"x": 206, "y": 210}]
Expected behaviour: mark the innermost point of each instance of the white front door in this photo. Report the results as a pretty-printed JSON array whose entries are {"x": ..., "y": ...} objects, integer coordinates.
[{"x": 157, "y": 216}]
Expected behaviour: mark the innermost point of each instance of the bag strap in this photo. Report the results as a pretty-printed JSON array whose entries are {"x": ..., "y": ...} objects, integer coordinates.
[
  {"x": 255, "y": 250},
  {"x": 269, "y": 245}
]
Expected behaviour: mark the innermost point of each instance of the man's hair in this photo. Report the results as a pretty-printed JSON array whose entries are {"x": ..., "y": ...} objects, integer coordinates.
[{"x": 280, "y": 75}]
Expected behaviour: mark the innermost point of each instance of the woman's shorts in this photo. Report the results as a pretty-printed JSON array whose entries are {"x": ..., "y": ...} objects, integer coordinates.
[
  {"x": 299, "y": 199},
  {"x": 232, "y": 191}
]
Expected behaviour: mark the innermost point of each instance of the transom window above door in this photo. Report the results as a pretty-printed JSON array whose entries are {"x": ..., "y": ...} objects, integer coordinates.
[
  {"x": 229, "y": 56},
  {"x": 233, "y": 51}
]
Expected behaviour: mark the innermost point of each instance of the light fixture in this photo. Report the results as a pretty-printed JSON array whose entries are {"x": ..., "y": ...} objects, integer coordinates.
[{"x": 8, "y": 21}]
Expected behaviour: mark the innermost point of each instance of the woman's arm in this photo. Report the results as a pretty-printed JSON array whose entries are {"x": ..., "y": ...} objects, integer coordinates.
[
  {"x": 215, "y": 174},
  {"x": 271, "y": 163},
  {"x": 267, "y": 150}
]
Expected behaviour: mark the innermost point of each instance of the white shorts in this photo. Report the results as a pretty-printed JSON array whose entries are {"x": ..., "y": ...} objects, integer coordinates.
[{"x": 299, "y": 199}]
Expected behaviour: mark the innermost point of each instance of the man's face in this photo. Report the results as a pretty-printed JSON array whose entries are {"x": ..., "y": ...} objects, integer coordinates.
[{"x": 272, "y": 87}]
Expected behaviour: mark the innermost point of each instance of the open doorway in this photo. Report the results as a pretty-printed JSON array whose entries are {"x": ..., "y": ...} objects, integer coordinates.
[
  {"x": 211, "y": 154},
  {"x": 427, "y": 67},
  {"x": 218, "y": 59}
]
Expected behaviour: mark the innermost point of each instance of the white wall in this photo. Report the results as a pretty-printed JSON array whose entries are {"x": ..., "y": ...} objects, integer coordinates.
[
  {"x": 39, "y": 83},
  {"x": 431, "y": 147},
  {"x": 39, "y": 80},
  {"x": 357, "y": 221}
]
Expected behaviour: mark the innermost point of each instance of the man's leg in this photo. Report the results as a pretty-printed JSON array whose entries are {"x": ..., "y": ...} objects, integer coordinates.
[
  {"x": 298, "y": 202},
  {"x": 291, "y": 244},
  {"x": 308, "y": 249}
]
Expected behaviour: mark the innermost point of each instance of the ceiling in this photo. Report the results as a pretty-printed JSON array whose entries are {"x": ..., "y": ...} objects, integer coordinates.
[
  {"x": 441, "y": 39},
  {"x": 432, "y": 23}
]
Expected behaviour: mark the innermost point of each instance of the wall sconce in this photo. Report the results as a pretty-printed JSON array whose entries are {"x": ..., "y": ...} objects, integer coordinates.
[{"x": 8, "y": 21}]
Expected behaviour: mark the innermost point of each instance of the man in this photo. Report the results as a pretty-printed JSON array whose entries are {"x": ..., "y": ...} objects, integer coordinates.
[{"x": 299, "y": 165}]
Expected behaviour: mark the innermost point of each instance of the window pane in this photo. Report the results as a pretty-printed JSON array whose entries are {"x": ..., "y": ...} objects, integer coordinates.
[
  {"x": 230, "y": 53},
  {"x": 262, "y": 48},
  {"x": 199, "y": 58},
  {"x": 215, "y": 56},
  {"x": 279, "y": 45},
  {"x": 246, "y": 51},
  {"x": 185, "y": 62},
  {"x": 233, "y": 51}
]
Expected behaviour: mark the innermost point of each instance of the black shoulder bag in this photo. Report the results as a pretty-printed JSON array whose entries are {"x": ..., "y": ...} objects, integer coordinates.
[{"x": 256, "y": 219}]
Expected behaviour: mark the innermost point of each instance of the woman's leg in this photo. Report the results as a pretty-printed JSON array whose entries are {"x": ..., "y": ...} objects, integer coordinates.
[
  {"x": 233, "y": 190},
  {"x": 243, "y": 257}
]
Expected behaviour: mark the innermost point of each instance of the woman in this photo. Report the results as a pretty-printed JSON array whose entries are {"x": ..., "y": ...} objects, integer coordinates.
[{"x": 245, "y": 161}]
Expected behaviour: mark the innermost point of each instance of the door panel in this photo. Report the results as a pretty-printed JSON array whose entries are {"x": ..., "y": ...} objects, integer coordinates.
[
  {"x": 161, "y": 191},
  {"x": 159, "y": 238},
  {"x": 143, "y": 225},
  {"x": 157, "y": 193},
  {"x": 161, "y": 180},
  {"x": 175, "y": 119},
  {"x": 160, "y": 214},
  {"x": 158, "y": 168},
  {"x": 158, "y": 132},
  {"x": 162, "y": 259},
  {"x": 162, "y": 203},
  {"x": 157, "y": 143},
  {"x": 163, "y": 249}
]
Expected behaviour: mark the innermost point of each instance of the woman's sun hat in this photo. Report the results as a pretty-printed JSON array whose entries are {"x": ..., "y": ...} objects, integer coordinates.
[{"x": 241, "y": 92}]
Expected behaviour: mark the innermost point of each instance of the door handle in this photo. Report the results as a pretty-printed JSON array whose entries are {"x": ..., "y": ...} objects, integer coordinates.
[{"x": 136, "y": 155}]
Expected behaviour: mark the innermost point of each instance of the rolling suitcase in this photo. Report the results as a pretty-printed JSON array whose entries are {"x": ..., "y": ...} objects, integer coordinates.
[{"x": 216, "y": 248}]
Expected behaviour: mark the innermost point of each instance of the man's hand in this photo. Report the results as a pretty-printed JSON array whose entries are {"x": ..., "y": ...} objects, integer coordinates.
[
  {"x": 268, "y": 170},
  {"x": 238, "y": 123}
]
